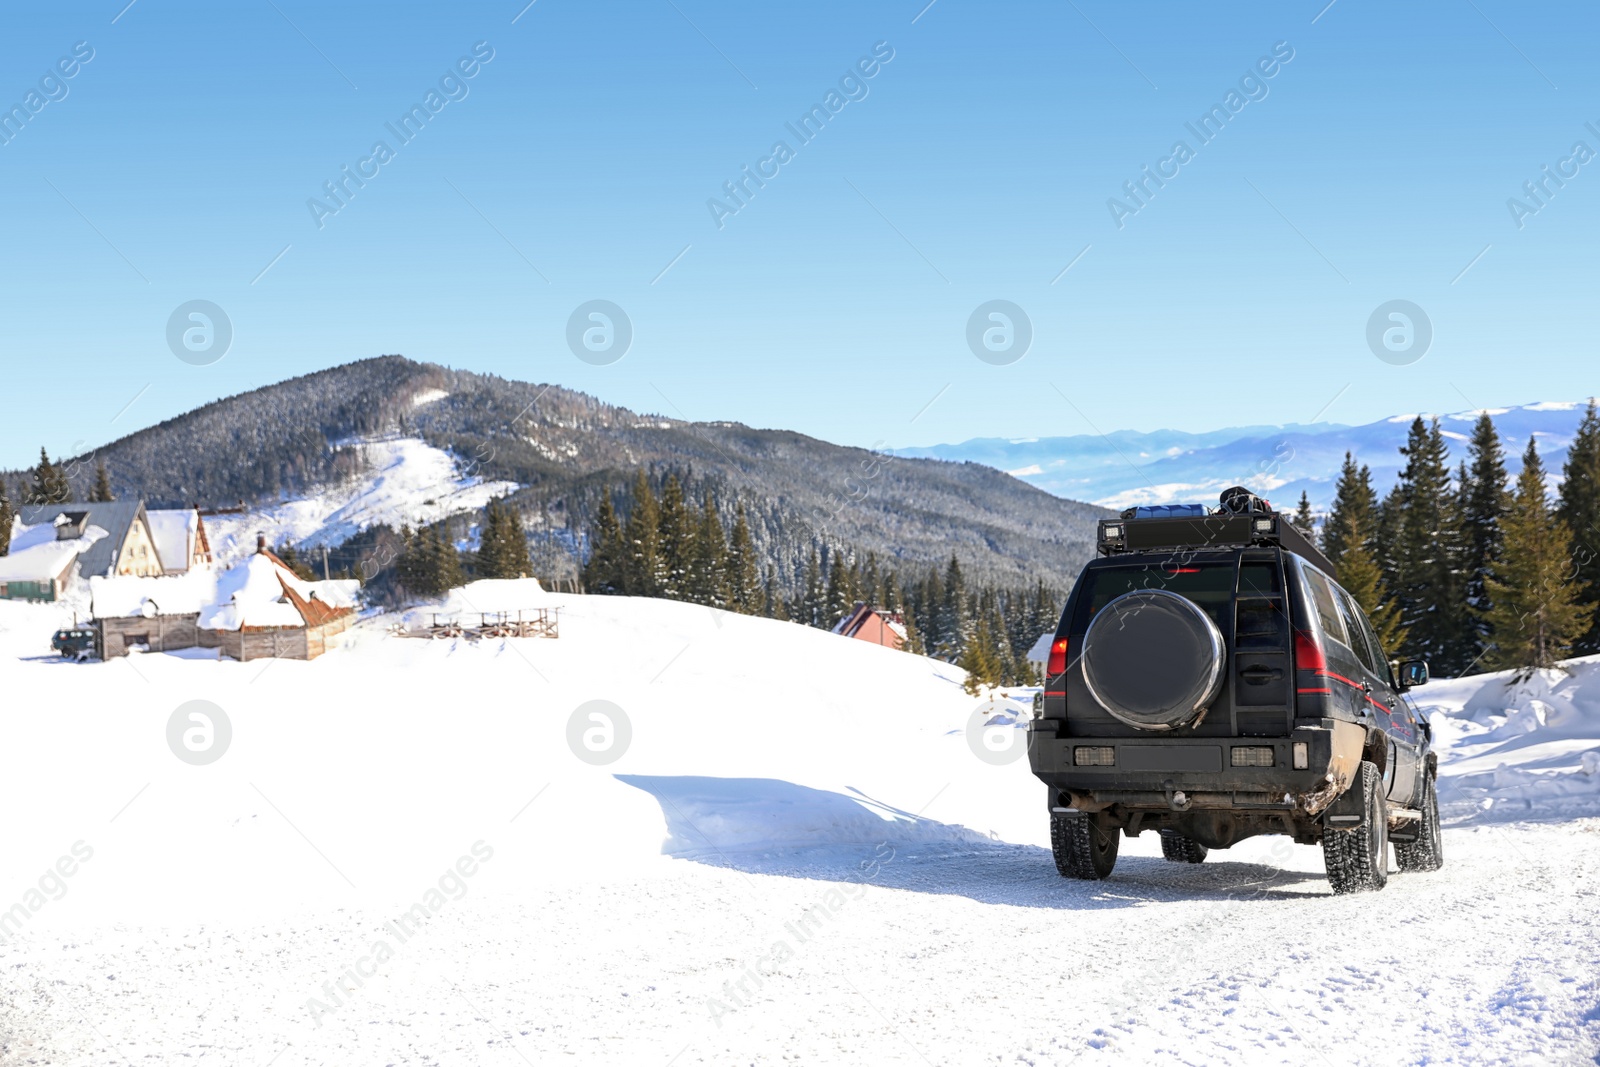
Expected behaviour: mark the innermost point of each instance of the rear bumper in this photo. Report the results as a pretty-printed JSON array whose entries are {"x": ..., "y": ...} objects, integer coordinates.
[{"x": 1181, "y": 774}]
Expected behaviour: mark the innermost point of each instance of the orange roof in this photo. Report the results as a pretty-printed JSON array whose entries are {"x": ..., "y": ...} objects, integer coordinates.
[{"x": 314, "y": 612}]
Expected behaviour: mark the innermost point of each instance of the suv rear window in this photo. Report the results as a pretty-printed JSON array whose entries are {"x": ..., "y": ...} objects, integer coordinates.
[{"x": 1209, "y": 585}]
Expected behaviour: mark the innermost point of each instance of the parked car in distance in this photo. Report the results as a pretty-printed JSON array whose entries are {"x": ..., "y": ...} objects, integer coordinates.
[{"x": 74, "y": 642}]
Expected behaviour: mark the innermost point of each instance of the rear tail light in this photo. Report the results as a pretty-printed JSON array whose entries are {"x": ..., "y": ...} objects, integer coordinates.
[
  {"x": 1252, "y": 756},
  {"x": 1056, "y": 663},
  {"x": 1308, "y": 653},
  {"x": 1094, "y": 756}
]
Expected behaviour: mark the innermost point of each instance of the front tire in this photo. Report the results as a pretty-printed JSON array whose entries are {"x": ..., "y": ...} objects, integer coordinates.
[
  {"x": 1175, "y": 848},
  {"x": 1081, "y": 848},
  {"x": 1426, "y": 853},
  {"x": 1357, "y": 859}
]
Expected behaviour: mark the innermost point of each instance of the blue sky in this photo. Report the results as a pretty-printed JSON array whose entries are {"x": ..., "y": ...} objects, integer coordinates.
[{"x": 976, "y": 164}]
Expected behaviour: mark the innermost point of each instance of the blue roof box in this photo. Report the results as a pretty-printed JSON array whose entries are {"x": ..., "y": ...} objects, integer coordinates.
[{"x": 1167, "y": 511}]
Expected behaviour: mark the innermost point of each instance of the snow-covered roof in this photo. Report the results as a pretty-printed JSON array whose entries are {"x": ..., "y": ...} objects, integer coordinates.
[
  {"x": 114, "y": 518},
  {"x": 1040, "y": 652},
  {"x": 174, "y": 533},
  {"x": 495, "y": 594},
  {"x": 179, "y": 594},
  {"x": 262, "y": 591},
  {"x": 36, "y": 555}
]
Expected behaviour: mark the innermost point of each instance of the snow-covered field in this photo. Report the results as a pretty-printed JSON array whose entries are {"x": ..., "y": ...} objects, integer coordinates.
[
  {"x": 415, "y": 852},
  {"x": 408, "y": 481}
]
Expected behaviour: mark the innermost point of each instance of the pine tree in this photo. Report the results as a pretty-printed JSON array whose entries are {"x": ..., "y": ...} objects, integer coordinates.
[
  {"x": 517, "y": 563},
  {"x": 674, "y": 537},
  {"x": 411, "y": 568},
  {"x": 1005, "y": 657},
  {"x": 836, "y": 598},
  {"x": 7, "y": 520},
  {"x": 893, "y": 597},
  {"x": 1428, "y": 555},
  {"x": 644, "y": 566},
  {"x": 1485, "y": 500},
  {"x": 1362, "y": 578},
  {"x": 61, "y": 488},
  {"x": 1579, "y": 509},
  {"x": 930, "y": 611},
  {"x": 708, "y": 559},
  {"x": 102, "y": 485},
  {"x": 1353, "y": 490},
  {"x": 977, "y": 658},
  {"x": 491, "y": 543},
  {"x": 913, "y": 642},
  {"x": 1303, "y": 520},
  {"x": 813, "y": 595},
  {"x": 872, "y": 582},
  {"x": 445, "y": 561},
  {"x": 774, "y": 607},
  {"x": 429, "y": 565},
  {"x": 1351, "y": 542},
  {"x": 1391, "y": 515},
  {"x": 1018, "y": 623},
  {"x": 502, "y": 544},
  {"x": 955, "y": 631},
  {"x": 50, "y": 484},
  {"x": 1536, "y": 615},
  {"x": 605, "y": 570},
  {"x": 745, "y": 591}
]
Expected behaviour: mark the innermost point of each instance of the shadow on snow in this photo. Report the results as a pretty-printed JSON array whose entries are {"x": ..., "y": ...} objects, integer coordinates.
[{"x": 772, "y": 827}]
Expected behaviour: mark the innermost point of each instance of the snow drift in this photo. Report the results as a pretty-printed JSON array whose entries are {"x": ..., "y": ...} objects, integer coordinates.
[{"x": 1518, "y": 749}]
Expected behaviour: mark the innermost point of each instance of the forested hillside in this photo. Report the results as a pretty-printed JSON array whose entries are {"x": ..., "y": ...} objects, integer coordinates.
[{"x": 567, "y": 450}]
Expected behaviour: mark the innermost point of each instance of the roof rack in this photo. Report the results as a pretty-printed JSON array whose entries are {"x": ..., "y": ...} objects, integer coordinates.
[{"x": 1244, "y": 520}]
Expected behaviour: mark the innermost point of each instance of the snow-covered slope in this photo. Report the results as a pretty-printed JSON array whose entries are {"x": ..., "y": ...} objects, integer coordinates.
[
  {"x": 798, "y": 856},
  {"x": 1514, "y": 750},
  {"x": 1124, "y": 468},
  {"x": 408, "y": 481}
]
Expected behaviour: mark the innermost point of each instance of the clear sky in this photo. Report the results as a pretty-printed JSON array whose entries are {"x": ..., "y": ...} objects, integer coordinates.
[{"x": 975, "y": 163}]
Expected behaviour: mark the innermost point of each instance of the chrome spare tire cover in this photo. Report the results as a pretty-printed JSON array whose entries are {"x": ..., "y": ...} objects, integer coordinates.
[{"x": 1153, "y": 659}]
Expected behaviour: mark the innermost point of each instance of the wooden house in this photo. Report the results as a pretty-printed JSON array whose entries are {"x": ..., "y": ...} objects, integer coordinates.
[
  {"x": 180, "y": 539},
  {"x": 876, "y": 625}
]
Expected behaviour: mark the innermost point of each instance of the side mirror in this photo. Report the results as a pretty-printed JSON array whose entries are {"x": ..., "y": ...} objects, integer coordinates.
[{"x": 1413, "y": 673}]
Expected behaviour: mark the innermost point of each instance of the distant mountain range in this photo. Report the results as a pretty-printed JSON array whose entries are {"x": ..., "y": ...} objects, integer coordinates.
[
  {"x": 1127, "y": 467},
  {"x": 305, "y": 447}
]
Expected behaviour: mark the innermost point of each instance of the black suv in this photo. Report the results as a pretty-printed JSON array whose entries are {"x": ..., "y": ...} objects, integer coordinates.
[{"x": 1210, "y": 680}]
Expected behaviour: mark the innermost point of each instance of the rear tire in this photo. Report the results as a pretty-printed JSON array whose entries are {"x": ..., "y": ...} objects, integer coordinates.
[
  {"x": 1176, "y": 848},
  {"x": 1357, "y": 859},
  {"x": 1426, "y": 853},
  {"x": 1081, "y": 848}
]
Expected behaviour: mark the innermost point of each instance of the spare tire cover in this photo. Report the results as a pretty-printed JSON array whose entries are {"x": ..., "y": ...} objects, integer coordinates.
[{"x": 1153, "y": 659}]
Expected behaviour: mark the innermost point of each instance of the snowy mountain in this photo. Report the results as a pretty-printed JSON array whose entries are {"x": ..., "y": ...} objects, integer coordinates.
[
  {"x": 402, "y": 480},
  {"x": 413, "y": 852},
  {"x": 1164, "y": 467},
  {"x": 316, "y": 457}
]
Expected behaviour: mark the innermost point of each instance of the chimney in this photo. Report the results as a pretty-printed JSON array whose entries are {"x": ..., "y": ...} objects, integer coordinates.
[{"x": 261, "y": 541}]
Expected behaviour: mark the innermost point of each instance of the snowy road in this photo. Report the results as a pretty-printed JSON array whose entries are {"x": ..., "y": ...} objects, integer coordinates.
[
  {"x": 979, "y": 958},
  {"x": 403, "y": 858}
]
